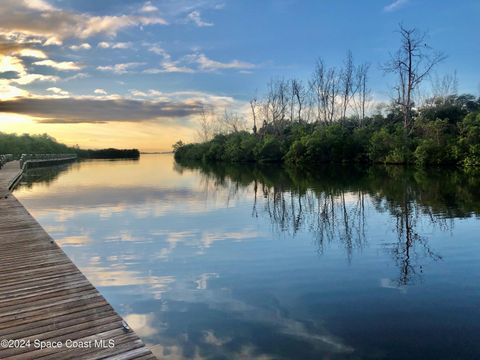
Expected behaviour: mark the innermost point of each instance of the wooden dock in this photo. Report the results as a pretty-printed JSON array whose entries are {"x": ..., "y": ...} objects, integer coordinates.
[{"x": 46, "y": 300}]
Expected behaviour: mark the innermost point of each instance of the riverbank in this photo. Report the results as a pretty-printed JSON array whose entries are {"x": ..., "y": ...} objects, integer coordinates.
[{"x": 445, "y": 132}]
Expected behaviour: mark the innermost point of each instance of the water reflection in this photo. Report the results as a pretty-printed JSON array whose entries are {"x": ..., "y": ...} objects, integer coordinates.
[
  {"x": 45, "y": 176},
  {"x": 225, "y": 262},
  {"x": 331, "y": 203}
]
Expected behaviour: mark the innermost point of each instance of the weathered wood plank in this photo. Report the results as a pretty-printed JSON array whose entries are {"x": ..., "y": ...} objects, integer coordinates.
[
  {"x": 13, "y": 329},
  {"x": 44, "y": 296},
  {"x": 9, "y": 323}
]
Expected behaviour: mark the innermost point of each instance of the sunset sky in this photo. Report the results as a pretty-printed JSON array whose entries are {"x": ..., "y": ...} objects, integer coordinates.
[{"x": 101, "y": 73}]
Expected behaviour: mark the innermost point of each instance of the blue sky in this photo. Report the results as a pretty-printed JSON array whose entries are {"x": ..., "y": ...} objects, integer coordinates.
[{"x": 178, "y": 53}]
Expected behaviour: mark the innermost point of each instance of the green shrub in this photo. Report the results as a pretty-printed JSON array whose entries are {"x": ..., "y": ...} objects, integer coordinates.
[{"x": 268, "y": 150}]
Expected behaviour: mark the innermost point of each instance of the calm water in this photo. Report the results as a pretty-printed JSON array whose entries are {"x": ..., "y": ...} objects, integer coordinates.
[{"x": 263, "y": 263}]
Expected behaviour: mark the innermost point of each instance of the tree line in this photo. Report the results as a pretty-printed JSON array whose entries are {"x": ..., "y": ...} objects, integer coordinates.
[
  {"x": 45, "y": 144},
  {"x": 331, "y": 117}
]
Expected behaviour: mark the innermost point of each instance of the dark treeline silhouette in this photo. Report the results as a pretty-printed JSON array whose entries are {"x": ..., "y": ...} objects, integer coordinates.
[
  {"x": 331, "y": 203},
  {"x": 109, "y": 154},
  {"x": 45, "y": 144},
  {"x": 331, "y": 118}
]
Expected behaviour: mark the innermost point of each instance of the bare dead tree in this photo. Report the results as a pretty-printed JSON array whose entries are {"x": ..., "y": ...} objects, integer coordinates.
[
  {"x": 206, "y": 124},
  {"x": 412, "y": 63},
  {"x": 444, "y": 86},
  {"x": 276, "y": 104},
  {"x": 324, "y": 85},
  {"x": 347, "y": 82},
  {"x": 232, "y": 122},
  {"x": 332, "y": 89},
  {"x": 292, "y": 99},
  {"x": 309, "y": 112},
  {"x": 283, "y": 97},
  {"x": 317, "y": 87},
  {"x": 363, "y": 93},
  {"x": 253, "y": 107},
  {"x": 298, "y": 98}
]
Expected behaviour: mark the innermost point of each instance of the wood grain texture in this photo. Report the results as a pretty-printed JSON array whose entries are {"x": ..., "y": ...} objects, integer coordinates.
[{"x": 44, "y": 296}]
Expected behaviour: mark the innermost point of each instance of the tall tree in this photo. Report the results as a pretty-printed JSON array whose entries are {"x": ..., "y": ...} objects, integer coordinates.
[
  {"x": 298, "y": 97},
  {"x": 206, "y": 124},
  {"x": 275, "y": 105},
  {"x": 253, "y": 107},
  {"x": 412, "y": 63},
  {"x": 444, "y": 86},
  {"x": 325, "y": 87},
  {"x": 347, "y": 82},
  {"x": 362, "y": 97}
]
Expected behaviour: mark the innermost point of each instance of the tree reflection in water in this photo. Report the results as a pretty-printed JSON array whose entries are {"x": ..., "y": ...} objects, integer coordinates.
[
  {"x": 332, "y": 203},
  {"x": 47, "y": 175}
]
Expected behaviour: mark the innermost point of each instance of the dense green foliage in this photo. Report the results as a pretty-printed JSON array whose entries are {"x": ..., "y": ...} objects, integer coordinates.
[
  {"x": 31, "y": 144},
  {"x": 445, "y": 131},
  {"x": 45, "y": 144}
]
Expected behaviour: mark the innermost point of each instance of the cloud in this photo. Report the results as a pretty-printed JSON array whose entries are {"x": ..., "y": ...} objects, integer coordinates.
[
  {"x": 196, "y": 18},
  {"x": 179, "y": 107},
  {"x": 103, "y": 45},
  {"x": 97, "y": 110},
  {"x": 8, "y": 48},
  {"x": 39, "y": 5},
  {"x": 139, "y": 93},
  {"x": 148, "y": 7},
  {"x": 7, "y": 91},
  {"x": 14, "y": 65},
  {"x": 29, "y": 78},
  {"x": 167, "y": 65},
  {"x": 76, "y": 76},
  {"x": 207, "y": 64},
  {"x": 397, "y": 4},
  {"x": 19, "y": 50},
  {"x": 193, "y": 63},
  {"x": 118, "y": 45},
  {"x": 212, "y": 100},
  {"x": 11, "y": 64},
  {"x": 58, "y": 91},
  {"x": 34, "y": 53},
  {"x": 84, "y": 46},
  {"x": 119, "y": 68},
  {"x": 179, "y": 9},
  {"x": 122, "y": 45},
  {"x": 61, "y": 65},
  {"x": 111, "y": 24},
  {"x": 156, "y": 49},
  {"x": 39, "y": 21}
]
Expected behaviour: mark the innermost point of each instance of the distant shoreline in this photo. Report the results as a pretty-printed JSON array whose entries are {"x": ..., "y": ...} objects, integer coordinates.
[{"x": 156, "y": 152}]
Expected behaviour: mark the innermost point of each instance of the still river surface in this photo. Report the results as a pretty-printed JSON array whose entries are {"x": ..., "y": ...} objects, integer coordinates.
[{"x": 243, "y": 262}]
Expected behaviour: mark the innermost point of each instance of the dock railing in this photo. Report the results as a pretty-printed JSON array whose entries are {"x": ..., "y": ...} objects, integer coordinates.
[
  {"x": 4, "y": 158},
  {"x": 39, "y": 159}
]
